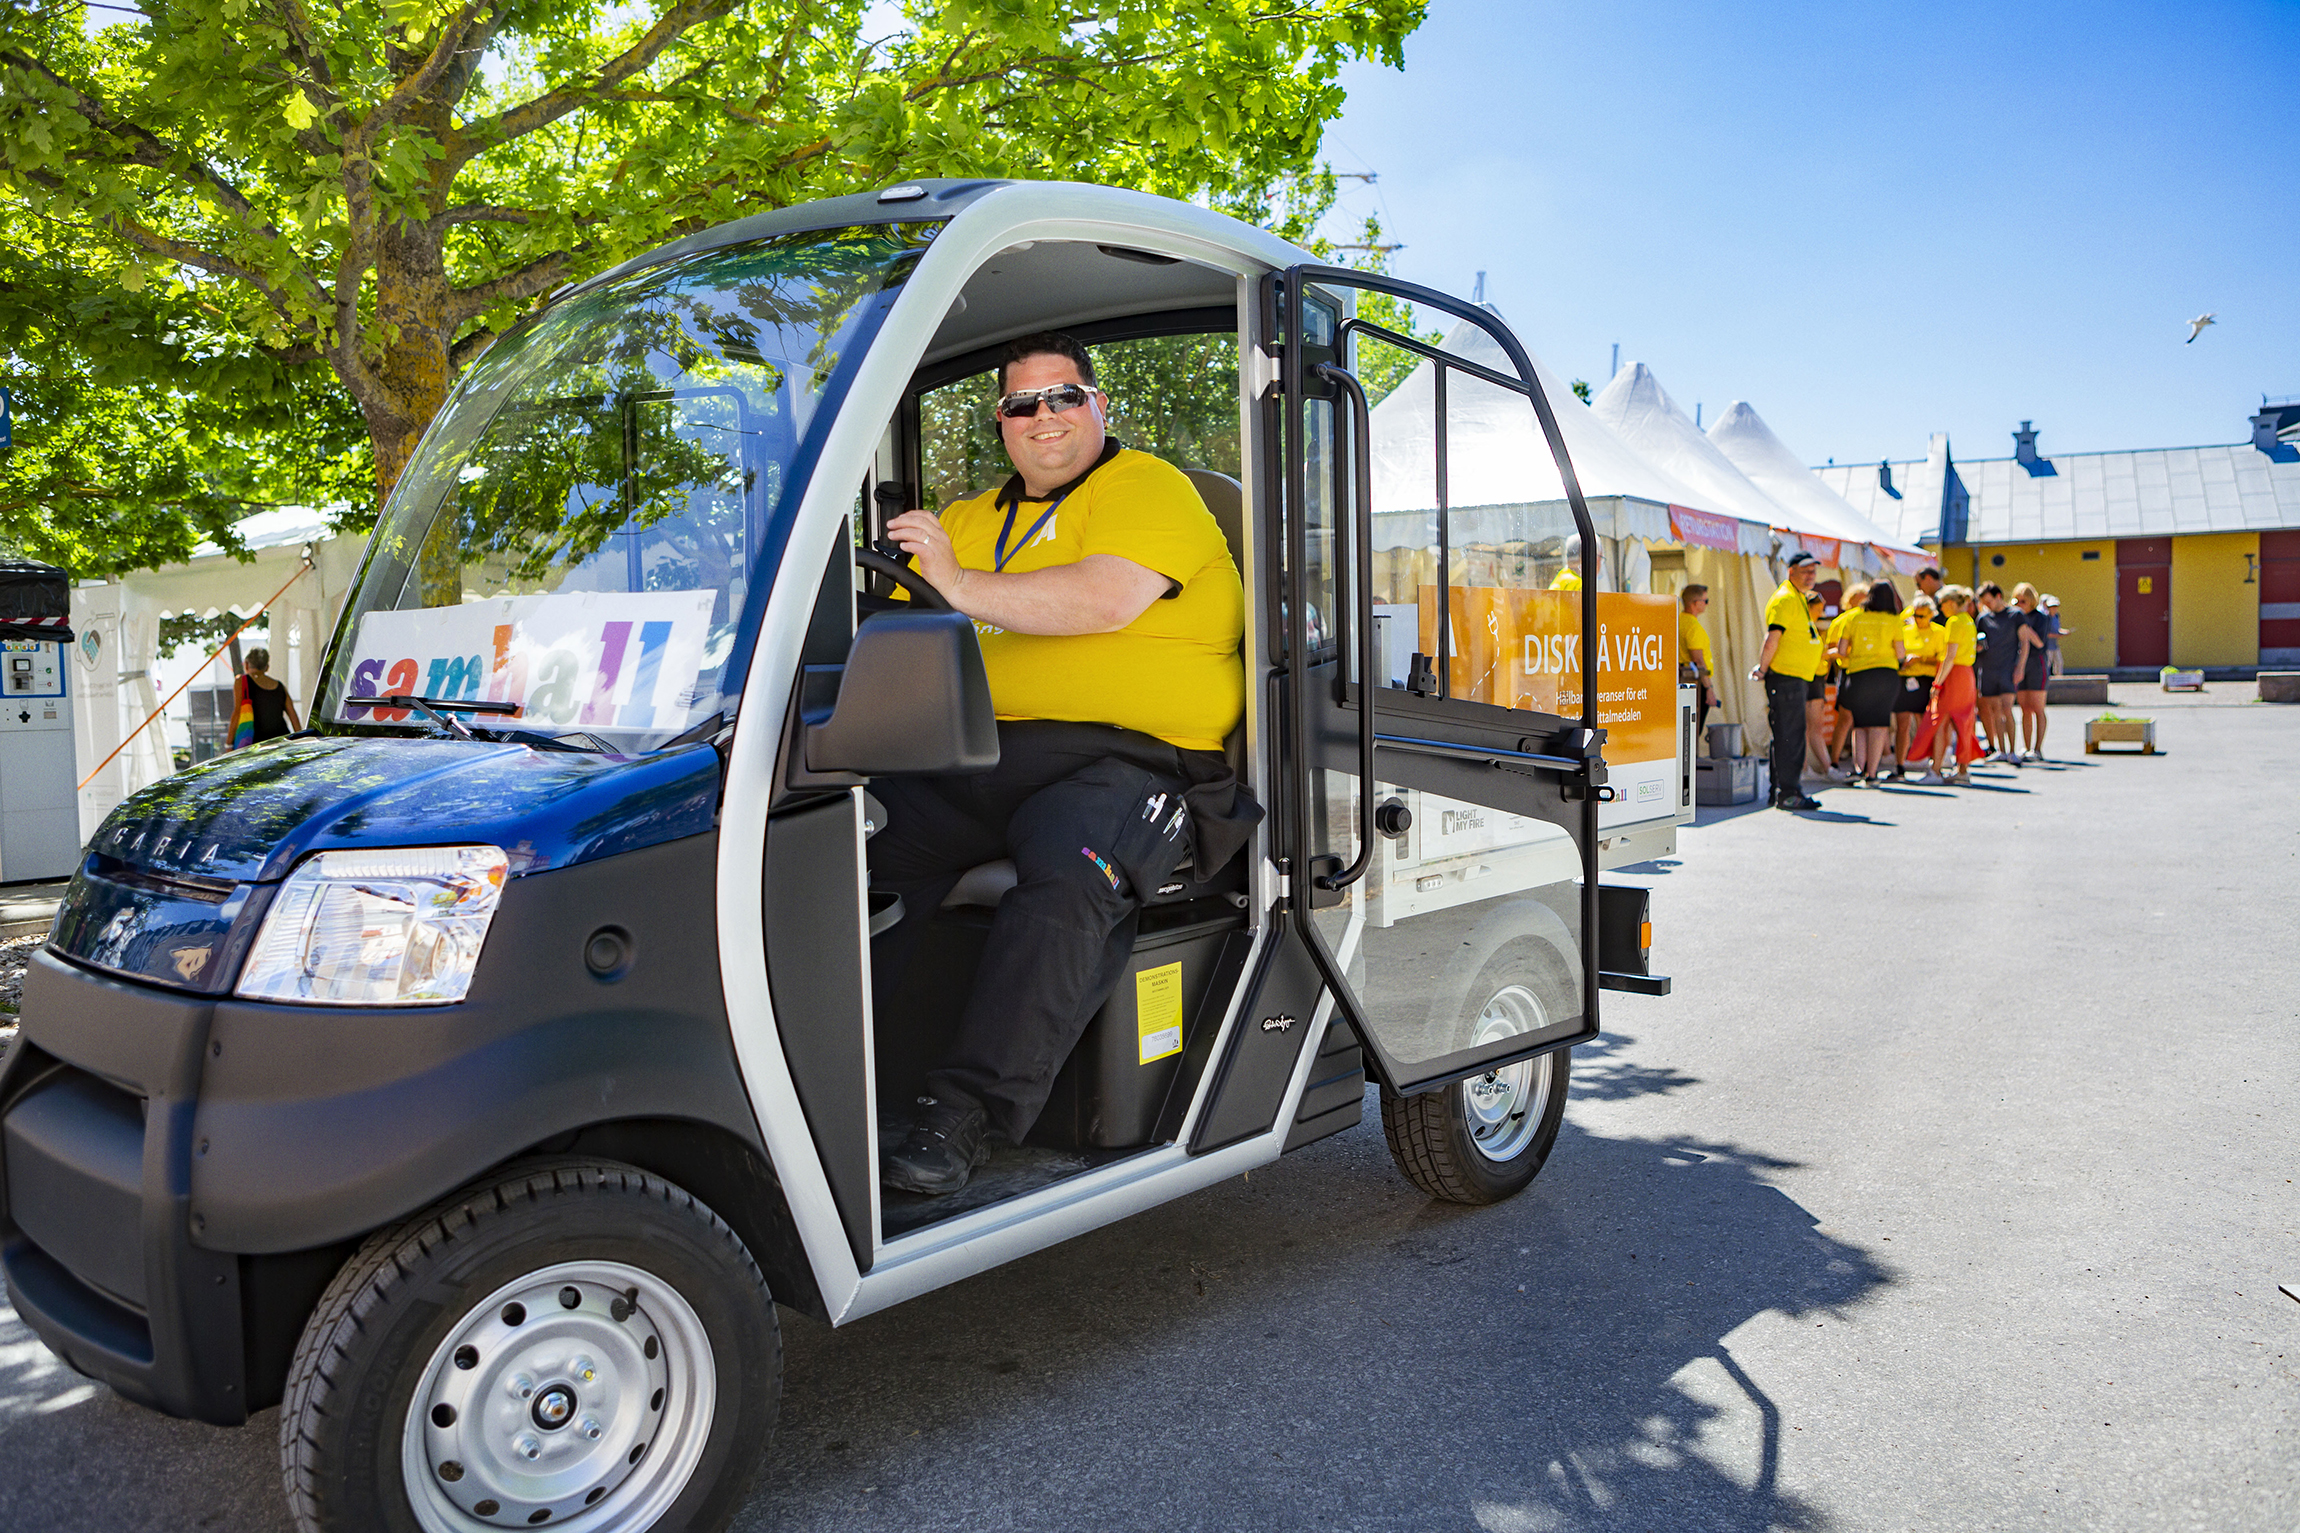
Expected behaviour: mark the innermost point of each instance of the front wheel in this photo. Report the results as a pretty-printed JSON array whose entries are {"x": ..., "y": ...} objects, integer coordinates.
[
  {"x": 1483, "y": 1139},
  {"x": 578, "y": 1344}
]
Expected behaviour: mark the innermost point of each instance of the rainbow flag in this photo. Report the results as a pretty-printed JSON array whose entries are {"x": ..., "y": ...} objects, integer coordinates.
[{"x": 243, "y": 715}]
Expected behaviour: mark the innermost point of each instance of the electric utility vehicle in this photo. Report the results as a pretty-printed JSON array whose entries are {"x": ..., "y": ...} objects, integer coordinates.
[{"x": 474, "y": 1073}]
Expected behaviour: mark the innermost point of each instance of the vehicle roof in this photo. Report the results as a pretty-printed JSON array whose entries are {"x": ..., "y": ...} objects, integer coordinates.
[{"x": 944, "y": 199}]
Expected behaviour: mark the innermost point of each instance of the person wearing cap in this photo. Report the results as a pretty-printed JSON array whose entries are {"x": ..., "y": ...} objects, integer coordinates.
[
  {"x": 1787, "y": 665},
  {"x": 2052, "y": 639}
]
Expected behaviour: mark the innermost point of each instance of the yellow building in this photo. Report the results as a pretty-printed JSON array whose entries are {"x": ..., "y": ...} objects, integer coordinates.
[{"x": 2186, "y": 556}]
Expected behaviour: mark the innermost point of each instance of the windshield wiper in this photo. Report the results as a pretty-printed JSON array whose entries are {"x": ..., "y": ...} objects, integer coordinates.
[{"x": 442, "y": 710}]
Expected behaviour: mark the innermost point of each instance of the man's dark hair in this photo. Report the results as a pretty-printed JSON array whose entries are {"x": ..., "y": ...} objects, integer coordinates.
[
  {"x": 1933, "y": 570},
  {"x": 1686, "y": 597},
  {"x": 1883, "y": 598},
  {"x": 1991, "y": 589},
  {"x": 1047, "y": 343}
]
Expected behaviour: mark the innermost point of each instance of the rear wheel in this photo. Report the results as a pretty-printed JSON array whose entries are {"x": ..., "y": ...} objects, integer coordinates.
[
  {"x": 1483, "y": 1139},
  {"x": 578, "y": 1344}
]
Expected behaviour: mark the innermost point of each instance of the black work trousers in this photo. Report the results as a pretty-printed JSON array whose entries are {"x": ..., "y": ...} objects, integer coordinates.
[
  {"x": 1092, "y": 816},
  {"x": 1785, "y": 712}
]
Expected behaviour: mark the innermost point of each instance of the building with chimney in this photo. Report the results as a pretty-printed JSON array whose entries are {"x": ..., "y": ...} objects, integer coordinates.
[{"x": 2185, "y": 556}]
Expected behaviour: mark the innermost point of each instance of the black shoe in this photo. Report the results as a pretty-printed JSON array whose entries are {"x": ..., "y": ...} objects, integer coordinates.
[
  {"x": 1796, "y": 801},
  {"x": 942, "y": 1150}
]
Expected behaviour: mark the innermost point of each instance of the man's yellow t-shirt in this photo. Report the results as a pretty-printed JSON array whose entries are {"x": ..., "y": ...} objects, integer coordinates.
[
  {"x": 1924, "y": 642},
  {"x": 1872, "y": 634},
  {"x": 1175, "y": 671},
  {"x": 1567, "y": 579},
  {"x": 1799, "y": 654},
  {"x": 1693, "y": 642},
  {"x": 1965, "y": 634}
]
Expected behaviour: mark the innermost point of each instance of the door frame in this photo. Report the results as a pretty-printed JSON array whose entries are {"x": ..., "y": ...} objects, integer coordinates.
[{"x": 1459, "y": 737}]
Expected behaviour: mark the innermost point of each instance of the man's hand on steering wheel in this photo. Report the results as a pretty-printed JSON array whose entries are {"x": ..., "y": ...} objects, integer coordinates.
[{"x": 921, "y": 536}]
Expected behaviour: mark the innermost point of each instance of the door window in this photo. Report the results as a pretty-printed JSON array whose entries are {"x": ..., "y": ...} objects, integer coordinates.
[{"x": 1459, "y": 943}]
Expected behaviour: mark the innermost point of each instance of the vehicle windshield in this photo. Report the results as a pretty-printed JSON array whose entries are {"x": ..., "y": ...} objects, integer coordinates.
[{"x": 580, "y": 529}]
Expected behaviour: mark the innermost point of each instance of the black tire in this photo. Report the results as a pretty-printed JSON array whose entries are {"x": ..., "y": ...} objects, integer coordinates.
[
  {"x": 378, "y": 1330},
  {"x": 1441, "y": 1141}
]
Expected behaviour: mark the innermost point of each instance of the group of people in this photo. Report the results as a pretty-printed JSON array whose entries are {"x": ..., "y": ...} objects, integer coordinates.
[{"x": 1882, "y": 682}]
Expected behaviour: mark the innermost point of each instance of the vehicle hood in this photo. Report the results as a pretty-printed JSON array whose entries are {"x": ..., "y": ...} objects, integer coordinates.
[{"x": 176, "y": 881}]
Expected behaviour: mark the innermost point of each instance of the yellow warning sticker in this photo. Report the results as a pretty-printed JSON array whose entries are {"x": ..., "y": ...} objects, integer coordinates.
[{"x": 1158, "y": 1011}]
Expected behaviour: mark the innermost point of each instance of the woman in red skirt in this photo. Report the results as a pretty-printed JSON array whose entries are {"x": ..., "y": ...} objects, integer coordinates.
[{"x": 1955, "y": 695}]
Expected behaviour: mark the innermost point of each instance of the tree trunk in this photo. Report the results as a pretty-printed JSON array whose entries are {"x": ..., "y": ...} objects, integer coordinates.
[{"x": 412, "y": 292}]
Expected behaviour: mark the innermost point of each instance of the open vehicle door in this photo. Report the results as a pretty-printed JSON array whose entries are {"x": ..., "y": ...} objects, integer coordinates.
[{"x": 1441, "y": 841}]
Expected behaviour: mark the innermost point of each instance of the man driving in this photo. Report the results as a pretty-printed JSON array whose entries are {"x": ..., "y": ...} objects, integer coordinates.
[{"x": 1110, "y": 613}]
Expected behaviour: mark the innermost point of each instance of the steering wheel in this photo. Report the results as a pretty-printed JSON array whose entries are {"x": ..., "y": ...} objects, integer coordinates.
[{"x": 922, "y": 592}]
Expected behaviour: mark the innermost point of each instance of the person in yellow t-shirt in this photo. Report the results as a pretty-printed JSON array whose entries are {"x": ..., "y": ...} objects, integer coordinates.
[
  {"x": 1568, "y": 577},
  {"x": 1871, "y": 654},
  {"x": 1786, "y": 665},
  {"x": 1921, "y": 642},
  {"x": 1693, "y": 648},
  {"x": 1840, "y": 719},
  {"x": 1110, "y": 614}
]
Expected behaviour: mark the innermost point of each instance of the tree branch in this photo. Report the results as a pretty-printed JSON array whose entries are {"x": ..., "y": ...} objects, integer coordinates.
[
  {"x": 543, "y": 110},
  {"x": 476, "y": 213},
  {"x": 537, "y": 276},
  {"x": 426, "y": 78}
]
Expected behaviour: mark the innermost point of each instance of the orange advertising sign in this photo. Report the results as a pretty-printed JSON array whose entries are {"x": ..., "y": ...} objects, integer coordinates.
[{"x": 1520, "y": 648}]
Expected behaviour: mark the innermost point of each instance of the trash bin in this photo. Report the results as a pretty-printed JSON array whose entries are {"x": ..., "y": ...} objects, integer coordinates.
[{"x": 1725, "y": 741}]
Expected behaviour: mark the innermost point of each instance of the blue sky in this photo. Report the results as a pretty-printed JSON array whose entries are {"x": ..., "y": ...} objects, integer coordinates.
[{"x": 1870, "y": 222}]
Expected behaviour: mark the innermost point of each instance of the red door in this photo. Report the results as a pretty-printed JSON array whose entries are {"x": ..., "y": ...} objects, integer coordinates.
[
  {"x": 2144, "y": 601},
  {"x": 2280, "y": 598}
]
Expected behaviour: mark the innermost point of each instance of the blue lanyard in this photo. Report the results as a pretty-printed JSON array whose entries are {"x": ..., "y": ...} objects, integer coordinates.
[{"x": 1007, "y": 531}]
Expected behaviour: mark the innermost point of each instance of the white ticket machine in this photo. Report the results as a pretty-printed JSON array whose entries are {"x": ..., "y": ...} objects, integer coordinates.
[{"x": 39, "y": 818}]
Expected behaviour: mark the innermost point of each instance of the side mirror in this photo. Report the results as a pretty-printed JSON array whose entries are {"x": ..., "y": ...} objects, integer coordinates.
[{"x": 914, "y": 701}]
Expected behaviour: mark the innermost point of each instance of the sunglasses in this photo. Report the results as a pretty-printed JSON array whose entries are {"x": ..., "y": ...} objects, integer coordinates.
[{"x": 1062, "y": 396}]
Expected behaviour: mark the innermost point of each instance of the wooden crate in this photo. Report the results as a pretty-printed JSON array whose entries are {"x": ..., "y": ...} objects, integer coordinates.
[{"x": 2140, "y": 732}]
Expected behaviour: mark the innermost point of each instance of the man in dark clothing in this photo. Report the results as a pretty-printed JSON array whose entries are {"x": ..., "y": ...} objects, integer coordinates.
[
  {"x": 1997, "y": 670},
  {"x": 1110, "y": 613},
  {"x": 1787, "y": 665}
]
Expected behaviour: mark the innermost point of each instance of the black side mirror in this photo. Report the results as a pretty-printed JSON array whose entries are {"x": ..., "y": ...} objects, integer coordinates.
[{"x": 914, "y": 701}]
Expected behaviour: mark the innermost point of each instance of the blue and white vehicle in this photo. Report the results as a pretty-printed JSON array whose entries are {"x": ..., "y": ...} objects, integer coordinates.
[{"x": 475, "y": 1073}]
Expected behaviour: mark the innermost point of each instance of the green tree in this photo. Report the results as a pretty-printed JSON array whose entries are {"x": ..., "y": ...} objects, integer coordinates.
[
  {"x": 383, "y": 186},
  {"x": 142, "y": 427}
]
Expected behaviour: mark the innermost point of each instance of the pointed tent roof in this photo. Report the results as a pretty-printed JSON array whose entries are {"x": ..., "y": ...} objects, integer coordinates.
[
  {"x": 1743, "y": 437},
  {"x": 1641, "y": 413},
  {"x": 1495, "y": 452}
]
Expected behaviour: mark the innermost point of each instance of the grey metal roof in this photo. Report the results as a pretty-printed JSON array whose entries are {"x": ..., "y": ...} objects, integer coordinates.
[{"x": 2155, "y": 492}]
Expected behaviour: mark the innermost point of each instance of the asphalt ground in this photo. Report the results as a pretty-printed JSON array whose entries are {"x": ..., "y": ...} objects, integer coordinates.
[{"x": 1952, "y": 1189}]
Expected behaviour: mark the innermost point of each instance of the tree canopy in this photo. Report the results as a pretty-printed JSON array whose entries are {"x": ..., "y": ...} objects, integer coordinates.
[{"x": 266, "y": 217}]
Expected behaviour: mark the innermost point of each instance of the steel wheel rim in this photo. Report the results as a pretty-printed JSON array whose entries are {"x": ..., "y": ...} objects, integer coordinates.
[
  {"x": 538, "y": 1412},
  {"x": 1503, "y": 1108}
]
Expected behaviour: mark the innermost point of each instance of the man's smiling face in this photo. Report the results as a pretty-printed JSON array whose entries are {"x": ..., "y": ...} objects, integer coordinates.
[{"x": 1052, "y": 448}]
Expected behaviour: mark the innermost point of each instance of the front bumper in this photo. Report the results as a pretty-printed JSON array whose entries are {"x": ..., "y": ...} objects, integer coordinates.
[{"x": 96, "y": 1109}]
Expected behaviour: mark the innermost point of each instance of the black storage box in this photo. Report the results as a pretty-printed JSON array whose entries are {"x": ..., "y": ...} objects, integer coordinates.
[{"x": 1111, "y": 1090}]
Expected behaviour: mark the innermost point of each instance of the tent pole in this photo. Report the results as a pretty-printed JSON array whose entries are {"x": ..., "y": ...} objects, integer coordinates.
[{"x": 302, "y": 571}]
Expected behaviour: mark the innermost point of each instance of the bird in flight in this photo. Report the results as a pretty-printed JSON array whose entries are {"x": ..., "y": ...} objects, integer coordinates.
[{"x": 2196, "y": 328}]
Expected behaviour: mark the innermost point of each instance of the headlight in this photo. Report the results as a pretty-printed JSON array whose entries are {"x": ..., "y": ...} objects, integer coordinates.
[{"x": 386, "y": 928}]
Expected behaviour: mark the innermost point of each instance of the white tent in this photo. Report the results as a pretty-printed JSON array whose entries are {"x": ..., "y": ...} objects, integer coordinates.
[
  {"x": 1740, "y": 575},
  {"x": 113, "y": 686},
  {"x": 1503, "y": 486},
  {"x": 1815, "y": 511},
  {"x": 1639, "y": 411}
]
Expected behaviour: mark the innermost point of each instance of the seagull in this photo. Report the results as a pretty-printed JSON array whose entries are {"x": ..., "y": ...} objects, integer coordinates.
[{"x": 2196, "y": 328}]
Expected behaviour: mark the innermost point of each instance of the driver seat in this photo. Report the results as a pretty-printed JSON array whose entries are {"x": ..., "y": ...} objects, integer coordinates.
[{"x": 986, "y": 883}]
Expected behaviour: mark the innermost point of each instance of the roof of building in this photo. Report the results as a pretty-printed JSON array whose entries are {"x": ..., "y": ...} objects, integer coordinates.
[{"x": 2155, "y": 492}]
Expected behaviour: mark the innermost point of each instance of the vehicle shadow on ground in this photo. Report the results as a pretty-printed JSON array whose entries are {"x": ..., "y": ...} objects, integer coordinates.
[
  {"x": 1320, "y": 1346},
  {"x": 1314, "y": 1346}
]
